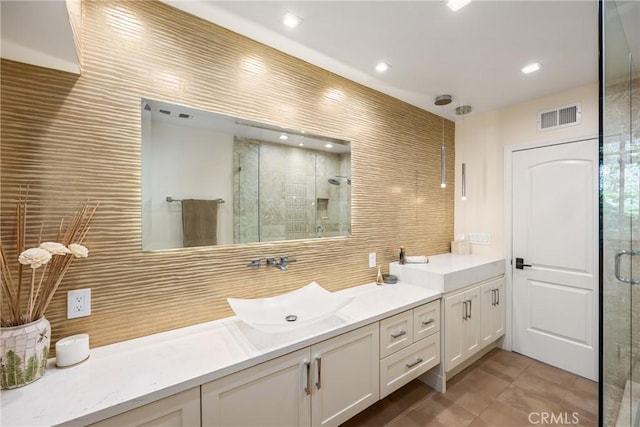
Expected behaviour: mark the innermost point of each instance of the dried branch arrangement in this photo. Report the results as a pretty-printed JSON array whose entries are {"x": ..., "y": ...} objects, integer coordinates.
[{"x": 25, "y": 298}]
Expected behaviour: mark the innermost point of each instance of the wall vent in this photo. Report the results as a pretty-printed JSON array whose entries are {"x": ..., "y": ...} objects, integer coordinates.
[{"x": 568, "y": 115}]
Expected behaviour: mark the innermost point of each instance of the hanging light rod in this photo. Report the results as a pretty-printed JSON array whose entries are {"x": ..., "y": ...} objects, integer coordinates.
[{"x": 441, "y": 101}]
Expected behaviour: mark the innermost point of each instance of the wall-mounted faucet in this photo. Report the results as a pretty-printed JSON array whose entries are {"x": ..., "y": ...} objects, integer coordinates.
[
  {"x": 254, "y": 263},
  {"x": 281, "y": 263}
]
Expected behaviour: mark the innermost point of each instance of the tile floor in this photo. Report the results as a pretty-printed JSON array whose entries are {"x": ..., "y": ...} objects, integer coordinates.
[{"x": 501, "y": 389}]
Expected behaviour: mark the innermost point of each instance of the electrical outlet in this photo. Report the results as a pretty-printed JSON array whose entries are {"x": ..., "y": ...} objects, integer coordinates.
[
  {"x": 78, "y": 303},
  {"x": 372, "y": 260}
]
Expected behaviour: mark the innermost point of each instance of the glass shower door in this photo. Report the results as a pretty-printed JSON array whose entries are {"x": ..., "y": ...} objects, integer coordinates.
[{"x": 620, "y": 204}]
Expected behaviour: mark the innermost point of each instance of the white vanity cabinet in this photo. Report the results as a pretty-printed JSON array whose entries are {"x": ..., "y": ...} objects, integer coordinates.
[
  {"x": 473, "y": 318},
  {"x": 321, "y": 385},
  {"x": 409, "y": 346},
  {"x": 179, "y": 410}
]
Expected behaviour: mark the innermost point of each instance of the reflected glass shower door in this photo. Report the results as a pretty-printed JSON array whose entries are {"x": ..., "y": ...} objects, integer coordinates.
[{"x": 620, "y": 204}]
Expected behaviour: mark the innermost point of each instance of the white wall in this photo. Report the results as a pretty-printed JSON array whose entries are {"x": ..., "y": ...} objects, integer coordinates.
[
  {"x": 480, "y": 143},
  {"x": 186, "y": 163}
]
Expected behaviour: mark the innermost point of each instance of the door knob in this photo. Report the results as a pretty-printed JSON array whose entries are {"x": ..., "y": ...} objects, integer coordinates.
[{"x": 520, "y": 264}]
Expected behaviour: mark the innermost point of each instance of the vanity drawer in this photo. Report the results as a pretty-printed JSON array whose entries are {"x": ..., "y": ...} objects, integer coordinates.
[
  {"x": 409, "y": 363},
  {"x": 426, "y": 320},
  {"x": 396, "y": 333}
]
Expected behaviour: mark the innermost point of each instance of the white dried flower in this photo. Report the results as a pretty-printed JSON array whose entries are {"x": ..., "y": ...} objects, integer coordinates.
[
  {"x": 79, "y": 251},
  {"x": 34, "y": 257},
  {"x": 55, "y": 248}
]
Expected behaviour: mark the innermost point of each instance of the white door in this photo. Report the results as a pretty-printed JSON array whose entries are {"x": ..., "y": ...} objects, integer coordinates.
[{"x": 555, "y": 232}]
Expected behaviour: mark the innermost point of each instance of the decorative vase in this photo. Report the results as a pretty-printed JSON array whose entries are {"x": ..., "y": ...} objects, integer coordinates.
[{"x": 23, "y": 353}]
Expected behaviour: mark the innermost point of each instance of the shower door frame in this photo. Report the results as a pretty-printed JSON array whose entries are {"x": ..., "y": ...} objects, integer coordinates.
[{"x": 621, "y": 241}]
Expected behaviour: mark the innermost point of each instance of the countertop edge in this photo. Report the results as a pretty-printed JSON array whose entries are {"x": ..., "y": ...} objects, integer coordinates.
[{"x": 113, "y": 409}]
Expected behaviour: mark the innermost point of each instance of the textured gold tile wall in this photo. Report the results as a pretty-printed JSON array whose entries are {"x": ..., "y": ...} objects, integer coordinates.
[{"x": 71, "y": 138}]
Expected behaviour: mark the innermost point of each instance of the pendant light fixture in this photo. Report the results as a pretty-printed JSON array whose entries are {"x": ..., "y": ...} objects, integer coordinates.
[
  {"x": 461, "y": 111},
  {"x": 441, "y": 101}
]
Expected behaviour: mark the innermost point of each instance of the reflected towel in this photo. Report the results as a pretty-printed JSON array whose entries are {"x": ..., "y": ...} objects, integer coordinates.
[{"x": 199, "y": 222}]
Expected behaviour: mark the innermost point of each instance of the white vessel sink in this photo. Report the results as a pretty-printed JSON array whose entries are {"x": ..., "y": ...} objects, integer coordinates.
[
  {"x": 289, "y": 311},
  {"x": 448, "y": 272}
]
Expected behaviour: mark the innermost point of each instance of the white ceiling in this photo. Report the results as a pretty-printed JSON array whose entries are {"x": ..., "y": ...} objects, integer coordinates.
[{"x": 474, "y": 54}]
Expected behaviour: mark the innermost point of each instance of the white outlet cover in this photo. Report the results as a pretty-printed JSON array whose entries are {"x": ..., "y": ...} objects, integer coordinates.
[
  {"x": 372, "y": 260},
  {"x": 78, "y": 303}
]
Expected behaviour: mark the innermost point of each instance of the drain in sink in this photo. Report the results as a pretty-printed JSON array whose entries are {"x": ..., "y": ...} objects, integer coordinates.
[{"x": 291, "y": 318}]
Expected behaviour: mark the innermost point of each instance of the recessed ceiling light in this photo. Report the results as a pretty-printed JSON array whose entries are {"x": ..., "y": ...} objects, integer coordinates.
[
  {"x": 284, "y": 137},
  {"x": 291, "y": 20},
  {"x": 381, "y": 67},
  {"x": 457, "y": 4},
  {"x": 301, "y": 144},
  {"x": 328, "y": 145},
  {"x": 531, "y": 68}
]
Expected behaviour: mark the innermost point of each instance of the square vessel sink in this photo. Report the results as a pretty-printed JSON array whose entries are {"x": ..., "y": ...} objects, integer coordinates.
[
  {"x": 449, "y": 272},
  {"x": 290, "y": 311}
]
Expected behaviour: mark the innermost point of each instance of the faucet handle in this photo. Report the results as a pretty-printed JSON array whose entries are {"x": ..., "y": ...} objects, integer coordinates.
[
  {"x": 285, "y": 259},
  {"x": 254, "y": 263}
]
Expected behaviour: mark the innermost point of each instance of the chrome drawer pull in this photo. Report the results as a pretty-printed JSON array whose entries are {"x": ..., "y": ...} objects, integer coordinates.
[
  {"x": 319, "y": 365},
  {"x": 307, "y": 389},
  {"x": 417, "y": 362},
  {"x": 428, "y": 322},
  {"x": 398, "y": 334}
]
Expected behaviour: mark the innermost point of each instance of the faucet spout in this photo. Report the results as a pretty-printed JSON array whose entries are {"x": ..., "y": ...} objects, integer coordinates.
[{"x": 281, "y": 263}]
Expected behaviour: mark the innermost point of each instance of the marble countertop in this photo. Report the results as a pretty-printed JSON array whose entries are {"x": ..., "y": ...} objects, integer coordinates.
[{"x": 126, "y": 375}]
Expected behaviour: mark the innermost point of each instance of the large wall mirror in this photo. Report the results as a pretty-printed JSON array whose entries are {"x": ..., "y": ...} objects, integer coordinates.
[{"x": 210, "y": 179}]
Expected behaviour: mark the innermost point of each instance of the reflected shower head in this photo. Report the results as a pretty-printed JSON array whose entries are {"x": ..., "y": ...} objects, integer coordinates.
[{"x": 333, "y": 181}]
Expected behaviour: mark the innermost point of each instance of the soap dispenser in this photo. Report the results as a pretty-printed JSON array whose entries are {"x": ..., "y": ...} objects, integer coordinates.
[
  {"x": 379, "y": 278},
  {"x": 402, "y": 259}
]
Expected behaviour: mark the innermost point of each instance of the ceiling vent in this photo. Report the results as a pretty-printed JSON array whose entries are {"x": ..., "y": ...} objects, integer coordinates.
[{"x": 568, "y": 115}]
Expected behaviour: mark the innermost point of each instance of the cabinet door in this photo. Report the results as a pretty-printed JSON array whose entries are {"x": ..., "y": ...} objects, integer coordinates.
[
  {"x": 274, "y": 393},
  {"x": 472, "y": 323},
  {"x": 454, "y": 348},
  {"x": 345, "y": 375},
  {"x": 180, "y": 410},
  {"x": 488, "y": 300},
  {"x": 498, "y": 318},
  {"x": 493, "y": 312}
]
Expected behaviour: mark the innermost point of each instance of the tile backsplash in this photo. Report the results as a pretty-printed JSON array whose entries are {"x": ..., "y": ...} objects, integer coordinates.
[{"x": 71, "y": 138}]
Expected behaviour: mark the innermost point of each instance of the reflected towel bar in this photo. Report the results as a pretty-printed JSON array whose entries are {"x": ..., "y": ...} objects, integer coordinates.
[{"x": 171, "y": 199}]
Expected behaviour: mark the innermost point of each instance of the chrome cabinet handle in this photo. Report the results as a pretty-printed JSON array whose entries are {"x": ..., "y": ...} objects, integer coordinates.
[
  {"x": 307, "y": 388},
  {"x": 470, "y": 306},
  {"x": 464, "y": 310},
  {"x": 417, "y": 362},
  {"x": 319, "y": 365},
  {"x": 631, "y": 253},
  {"x": 495, "y": 297},
  {"x": 398, "y": 334},
  {"x": 428, "y": 322}
]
